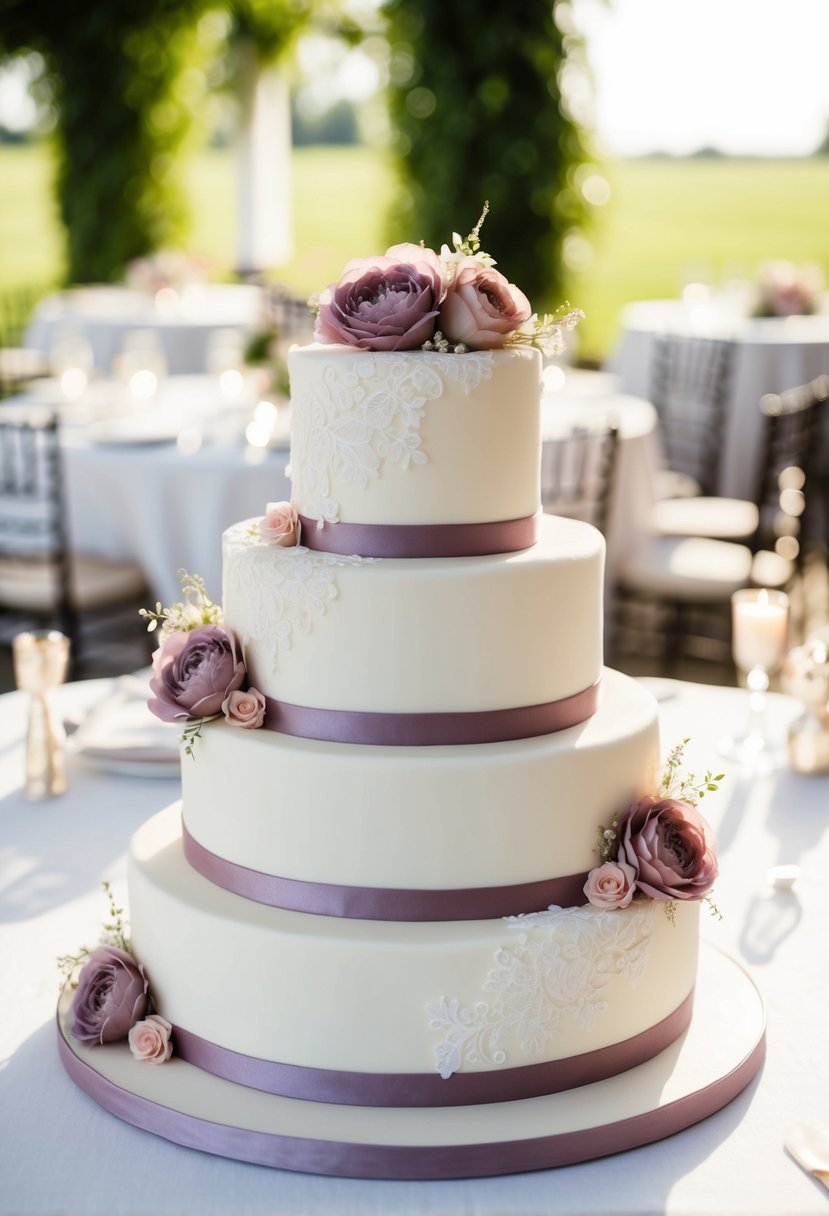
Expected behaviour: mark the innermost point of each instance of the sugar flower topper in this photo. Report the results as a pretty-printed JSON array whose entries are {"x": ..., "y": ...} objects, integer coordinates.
[
  {"x": 660, "y": 847},
  {"x": 199, "y": 669},
  {"x": 280, "y": 525},
  {"x": 412, "y": 298}
]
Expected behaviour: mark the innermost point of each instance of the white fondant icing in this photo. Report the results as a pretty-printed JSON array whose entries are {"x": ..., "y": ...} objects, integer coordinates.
[
  {"x": 557, "y": 968},
  {"x": 412, "y": 439},
  {"x": 423, "y": 634},
  {"x": 348, "y": 994},
  {"x": 396, "y": 438},
  {"x": 429, "y": 817}
]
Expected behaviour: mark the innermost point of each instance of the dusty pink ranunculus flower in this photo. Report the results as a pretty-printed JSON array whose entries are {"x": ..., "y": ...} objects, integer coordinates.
[
  {"x": 194, "y": 673},
  {"x": 110, "y": 998},
  {"x": 481, "y": 307},
  {"x": 383, "y": 303},
  {"x": 150, "y": 1040},
  {"x": 671, "y": 848},
  {"x": 245, "y": 708},
  {"x": 611, "y": 885},
  {"x": 280, "y": 525}
]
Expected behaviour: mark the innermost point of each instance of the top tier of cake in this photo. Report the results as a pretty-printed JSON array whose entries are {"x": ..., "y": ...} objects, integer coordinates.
[{"x": 414, "y": 438}]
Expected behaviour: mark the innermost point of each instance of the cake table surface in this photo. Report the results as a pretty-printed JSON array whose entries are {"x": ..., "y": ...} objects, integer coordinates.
[{"x": 59, "y": 1152}]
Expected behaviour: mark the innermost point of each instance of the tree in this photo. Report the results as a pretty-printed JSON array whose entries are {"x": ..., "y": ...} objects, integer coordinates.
[
  {"x": 116, "y": 78},
  {"x": 125, "y": 79},
  {"x": 477, "y": 110}
]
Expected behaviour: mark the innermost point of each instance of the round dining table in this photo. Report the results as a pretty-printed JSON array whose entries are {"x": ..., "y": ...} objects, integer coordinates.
[
  {"x": 157, "y": 482},
  {"x": 60, "y": 1152},
  {"x": 771, "y": 354},
  {"x": 576, "y": 399},
  {"x": 183, "y": 324}
]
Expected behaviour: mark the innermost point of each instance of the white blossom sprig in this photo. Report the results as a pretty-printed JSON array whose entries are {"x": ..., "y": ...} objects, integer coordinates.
[{"x": 195, "y": 609}]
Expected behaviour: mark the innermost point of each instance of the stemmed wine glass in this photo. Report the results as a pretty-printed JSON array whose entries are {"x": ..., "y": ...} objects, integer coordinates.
[{"x": 760, "y": 622}]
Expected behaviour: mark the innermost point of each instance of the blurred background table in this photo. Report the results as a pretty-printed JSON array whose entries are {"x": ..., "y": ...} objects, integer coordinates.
[
  {"x": 576, "y": 399},
  {"x": 156, "y": 482},
  {"x": 183, "y": 322},
  {"x": 771, "y": 354},
  {"x": 54, "y": 855}
]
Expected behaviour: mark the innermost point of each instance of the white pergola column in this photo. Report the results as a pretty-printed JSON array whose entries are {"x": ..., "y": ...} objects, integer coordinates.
[{"x": 263, "y": 168}]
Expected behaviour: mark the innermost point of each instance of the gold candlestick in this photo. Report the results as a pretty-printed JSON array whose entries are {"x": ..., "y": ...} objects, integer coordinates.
[{"x": 40, "y": 664}]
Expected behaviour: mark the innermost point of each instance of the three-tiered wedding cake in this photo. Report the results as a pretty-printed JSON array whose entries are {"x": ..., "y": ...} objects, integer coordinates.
[{"x": 388, "y": 900}]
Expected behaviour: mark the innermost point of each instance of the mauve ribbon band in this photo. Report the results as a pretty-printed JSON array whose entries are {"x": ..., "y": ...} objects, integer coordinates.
[
  {"x": 431, "y": 729},
  {"x": 413, "y": 1162},
  {"x": 383, "y": 903},
  {"x": 422, "y": 540},
  {"x": 430, "y": 1089}
]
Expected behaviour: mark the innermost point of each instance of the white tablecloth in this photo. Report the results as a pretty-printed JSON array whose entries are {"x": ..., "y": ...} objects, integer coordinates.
[
  {"x": 584, "y": 400},
  {"x": 772, "y": 354},
  {"x": 60, "y": 1153},
  {"x": 106, "y": 315},
  {"x": 159, "y": 484}
]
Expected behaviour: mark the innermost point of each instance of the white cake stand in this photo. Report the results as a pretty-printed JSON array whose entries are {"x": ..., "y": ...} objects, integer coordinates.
[{"x": 704, "y": 1070}]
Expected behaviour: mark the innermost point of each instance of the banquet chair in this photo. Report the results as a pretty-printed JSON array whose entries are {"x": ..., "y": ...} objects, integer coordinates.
[
  {"x": 690, "y": 383},
  {"x": 42, "y": 582},
  {"x": 675, "y": 591},
  {"x": 288, "y": 314},
  {"x": 738, "y": 519},
  {"x": 577, "y": 472}
]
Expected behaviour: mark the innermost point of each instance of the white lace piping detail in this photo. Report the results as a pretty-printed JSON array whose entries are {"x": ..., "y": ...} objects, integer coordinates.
[
  {"x": 557, "y": 967},
  {"x": 283, "y": 590},
  {"x": 357, "y": 418}
]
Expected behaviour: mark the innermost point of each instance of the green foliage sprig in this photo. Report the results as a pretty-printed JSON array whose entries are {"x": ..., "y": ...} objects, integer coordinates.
[
  {"x": 684, "y": 786},
  {"x": 114, "y": 932}
]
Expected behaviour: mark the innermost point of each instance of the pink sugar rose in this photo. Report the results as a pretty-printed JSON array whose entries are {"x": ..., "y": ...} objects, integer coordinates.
[
  {"x": 150, "y": 1039},
  {"x": 194, "y": 673},
  {"x": 670, "y": 847},
  {"x": 110, "y": 998},
  {"x": 383, "y": 303},
  {"x": 611, "y": 885},
  {"x": 481, "y": 308},
  {"x": 280, "y": 525},
  {"x": 245, "y": 708}
]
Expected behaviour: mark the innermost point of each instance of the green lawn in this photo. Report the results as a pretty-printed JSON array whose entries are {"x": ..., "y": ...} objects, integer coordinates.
[{"x": 663, "y": 218}]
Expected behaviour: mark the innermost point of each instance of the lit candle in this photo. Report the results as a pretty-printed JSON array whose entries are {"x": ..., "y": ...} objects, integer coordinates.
[{"x": 760, "y": 623}]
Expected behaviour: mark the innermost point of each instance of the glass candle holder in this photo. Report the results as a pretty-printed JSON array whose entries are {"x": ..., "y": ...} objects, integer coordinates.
[
  {"x": 760, "y": 624},
  {"x": 41, "y": 661}
]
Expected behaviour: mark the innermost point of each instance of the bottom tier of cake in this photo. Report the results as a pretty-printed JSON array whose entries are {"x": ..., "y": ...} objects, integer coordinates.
[
  {"x": 694, "y": 1077},
  {"x": 404, "y": 1013}
]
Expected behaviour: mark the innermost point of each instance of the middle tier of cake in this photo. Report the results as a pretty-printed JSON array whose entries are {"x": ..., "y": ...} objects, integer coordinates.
[
  {"x": 423, "y": 635},
  {"x": 277, "y": 816}
]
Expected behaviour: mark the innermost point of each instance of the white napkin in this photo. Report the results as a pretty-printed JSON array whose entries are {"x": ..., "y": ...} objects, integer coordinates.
[{"x": 121, "y": 727}]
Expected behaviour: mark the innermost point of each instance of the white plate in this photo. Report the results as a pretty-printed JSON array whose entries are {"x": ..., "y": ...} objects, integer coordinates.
[
  {"x": 120, "y": 735},
  {"x": 137, "y": 430},
  {"x": 167, "y": 770}
]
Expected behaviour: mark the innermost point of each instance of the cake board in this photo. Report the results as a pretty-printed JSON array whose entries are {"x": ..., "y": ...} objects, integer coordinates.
[{"x": 705, "y": 1069}]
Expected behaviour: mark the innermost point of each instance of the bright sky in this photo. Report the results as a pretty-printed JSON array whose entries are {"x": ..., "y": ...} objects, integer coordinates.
[{"x": 748, "y": 76}]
